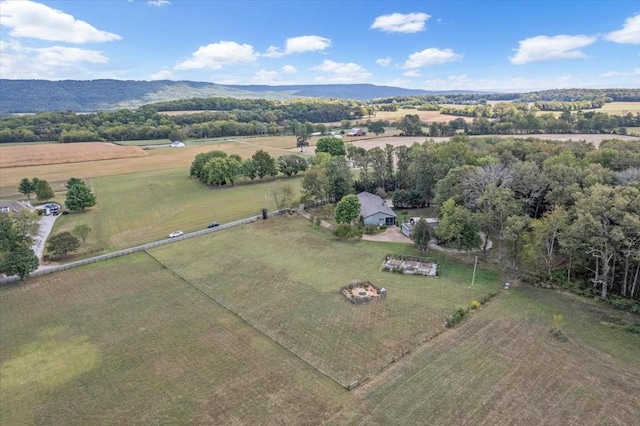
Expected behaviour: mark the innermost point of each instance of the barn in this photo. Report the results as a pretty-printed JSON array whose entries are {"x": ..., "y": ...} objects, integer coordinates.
[{"x": 375, "y": 211}]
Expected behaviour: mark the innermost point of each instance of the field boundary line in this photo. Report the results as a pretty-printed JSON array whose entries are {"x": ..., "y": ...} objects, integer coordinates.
[{"x": 250, "y": 323}]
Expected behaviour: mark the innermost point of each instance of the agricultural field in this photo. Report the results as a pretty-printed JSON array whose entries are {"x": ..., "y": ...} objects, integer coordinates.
[
  {"x": 145, "y": 338},
  {"x": 142, "y": 207},
  {"x": 283, "y": 278},
  {"x": 58, "y": 153},
  {"x": 620, "y": 108},
  {"x": 426, "y": 116},
  {"x": 155, "y": 159}
]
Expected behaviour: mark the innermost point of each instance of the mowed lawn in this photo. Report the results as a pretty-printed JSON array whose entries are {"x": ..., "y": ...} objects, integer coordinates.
[
  {"x": 283, "y": 276},
  {"x": 138, "y": 208},
  {"x": 128, "y": 342},
  {"x": 503, "y": 367}
]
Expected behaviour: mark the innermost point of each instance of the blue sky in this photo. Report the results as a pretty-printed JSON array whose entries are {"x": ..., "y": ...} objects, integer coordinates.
[{"x": 432, "y": 45}]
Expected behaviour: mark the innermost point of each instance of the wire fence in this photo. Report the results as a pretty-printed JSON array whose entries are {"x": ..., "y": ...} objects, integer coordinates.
[{"x": 142, "y": 247}]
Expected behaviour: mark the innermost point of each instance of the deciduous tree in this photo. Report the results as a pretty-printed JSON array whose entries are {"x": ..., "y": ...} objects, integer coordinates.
[
  {"x": 79, "y": 197},
  {"x": 348, "y": 209},
  {"x": 63, "y": 243}
]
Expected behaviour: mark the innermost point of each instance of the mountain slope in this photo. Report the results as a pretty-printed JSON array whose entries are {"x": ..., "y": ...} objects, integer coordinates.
[{"x": 29, "y": 96}]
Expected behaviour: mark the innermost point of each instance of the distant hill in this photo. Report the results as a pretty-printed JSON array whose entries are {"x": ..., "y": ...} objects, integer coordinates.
[{"x": 30, "y": 96}]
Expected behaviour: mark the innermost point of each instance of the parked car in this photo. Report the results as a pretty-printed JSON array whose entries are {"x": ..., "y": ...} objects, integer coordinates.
[
  {"x": 213, "y": 225},
  {"x": 176, "y": 234}
]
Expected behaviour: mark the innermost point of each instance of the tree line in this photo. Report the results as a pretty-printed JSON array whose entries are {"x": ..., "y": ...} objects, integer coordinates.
[{"x": 564, "y": 210}]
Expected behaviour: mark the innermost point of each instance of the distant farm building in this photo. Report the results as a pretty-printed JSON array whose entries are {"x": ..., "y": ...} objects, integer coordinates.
[
  {"x": 375, "y": 211},
  {"x": 177, "y": 144},
  {"x": 355, "y": 132}
]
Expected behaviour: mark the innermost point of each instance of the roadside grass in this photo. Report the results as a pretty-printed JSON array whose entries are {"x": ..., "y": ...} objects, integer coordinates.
[
  {"x": 126, "y": 341},
  {"x": 139, "y": 208},
  {"x": 502, "y": 366},
  {"x": 283, "y": 276}
]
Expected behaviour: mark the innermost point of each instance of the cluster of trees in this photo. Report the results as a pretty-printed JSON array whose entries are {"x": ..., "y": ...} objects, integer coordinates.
[
  {"x": 79, "y": 196},
  {"x": 568, "y": 106},
  {"x": 40, "y": 187},
  {"x": 563, "y": 207},
  {"x": 16, "y": 255},
  {"x": 216, "y": 168}
]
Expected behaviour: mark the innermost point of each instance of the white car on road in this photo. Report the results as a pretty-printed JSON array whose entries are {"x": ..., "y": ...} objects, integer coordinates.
[{"x": 175, "y": 234}]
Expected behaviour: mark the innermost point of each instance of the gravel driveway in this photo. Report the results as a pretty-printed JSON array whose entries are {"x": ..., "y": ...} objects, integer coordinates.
[{"x": 45, "y": 225}]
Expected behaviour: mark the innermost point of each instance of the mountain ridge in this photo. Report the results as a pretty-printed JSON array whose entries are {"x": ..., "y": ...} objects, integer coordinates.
[{"x": 31, "y": 96}]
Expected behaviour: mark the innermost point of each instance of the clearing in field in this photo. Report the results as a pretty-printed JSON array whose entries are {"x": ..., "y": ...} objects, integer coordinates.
[{"x": 58, "y": 153}]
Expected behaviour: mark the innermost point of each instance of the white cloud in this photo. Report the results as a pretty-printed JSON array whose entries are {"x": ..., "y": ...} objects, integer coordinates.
[
  {"x": 430, "y": 57},
  {"x": 629, "y": 34},
  {"x": 635, "y": 71},
  {"x": 340, "y": 72},
  {"x": 34, "y": 20},
  {"x": 545, "y": 48},
  {"x": 412, "y": 73},
  {"x": 217, "y": 55},
  {"x": 401, "y": 23},
  {"x": 301, "y": 44},
  {"x": 162, "y": 75},
  {"x": 45, "y": 63},
  {"x": 159, "y": 3},
  {"x": 265, "y": 77},
  {"x": 289, "y": 69},
  {"x": 384, "y": 62}
]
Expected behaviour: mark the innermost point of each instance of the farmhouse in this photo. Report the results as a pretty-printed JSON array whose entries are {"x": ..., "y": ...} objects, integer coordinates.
[{"x": 375, "y": 211}]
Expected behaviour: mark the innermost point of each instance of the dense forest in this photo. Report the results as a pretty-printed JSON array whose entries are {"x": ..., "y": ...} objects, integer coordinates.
[{"x": 220, "y": 117}]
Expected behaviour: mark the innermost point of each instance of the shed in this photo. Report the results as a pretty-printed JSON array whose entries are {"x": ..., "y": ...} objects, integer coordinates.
[{"x": 375, "y": 211}]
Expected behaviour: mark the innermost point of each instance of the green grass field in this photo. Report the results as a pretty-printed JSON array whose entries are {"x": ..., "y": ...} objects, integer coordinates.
[
  {"x": 130, "y": 341},
  {"x": 283, "y": 276},
  {"x": 137, "y": 208}
]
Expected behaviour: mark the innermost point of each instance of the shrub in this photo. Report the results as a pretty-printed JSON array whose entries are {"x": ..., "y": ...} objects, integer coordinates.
[{"x": 475, "y": 304}]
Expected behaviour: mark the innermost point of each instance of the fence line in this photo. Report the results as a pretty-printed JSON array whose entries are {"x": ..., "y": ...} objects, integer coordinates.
[{"x": 142, "y": 247}]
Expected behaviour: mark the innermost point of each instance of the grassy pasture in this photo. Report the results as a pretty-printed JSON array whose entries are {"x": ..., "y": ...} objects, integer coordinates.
[
  {"x": 128, "y": 342},
  {"x": 45, "y": 154},
  {"x": 283, "y": 276},
  {"x": 427, "y": 116},
  {"x": 137, "y": 208},
  {"x": 503, "y": 367}
]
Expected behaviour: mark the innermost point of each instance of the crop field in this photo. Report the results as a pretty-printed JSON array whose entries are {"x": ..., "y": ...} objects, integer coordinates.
[
  {"x": 135, "y": 341},
  {"x": 620, "y": 108},
  {"x": 426, "y": 116},
  {"x": 283, "y": 277},
  {"x": 44, "y": 154},
  {"x": 156, "y": 159},
  {"x": 137, "y": 208}
]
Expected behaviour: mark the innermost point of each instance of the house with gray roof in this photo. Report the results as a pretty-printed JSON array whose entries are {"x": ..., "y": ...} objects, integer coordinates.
[
  {"x": 14, "y": 206},
  {"x": 375, "y": 211}
]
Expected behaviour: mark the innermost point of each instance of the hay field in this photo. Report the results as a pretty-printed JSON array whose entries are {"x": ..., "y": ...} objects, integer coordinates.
[
  {"x": 620, "y": 108},
  {"x": 156, "y": 159},
  {"x": 45, "y": 154},
  {"x": 426, "y": 116},
  {"x": 128, "y": 341},
  {"x": 283, "y": 276}
]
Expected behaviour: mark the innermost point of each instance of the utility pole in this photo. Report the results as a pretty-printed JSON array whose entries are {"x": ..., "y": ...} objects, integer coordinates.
[{"x": 473, "y": 279}]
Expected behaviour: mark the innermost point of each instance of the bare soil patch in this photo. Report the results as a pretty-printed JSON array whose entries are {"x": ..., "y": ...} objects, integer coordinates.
[{"x": 38, "y": 155}]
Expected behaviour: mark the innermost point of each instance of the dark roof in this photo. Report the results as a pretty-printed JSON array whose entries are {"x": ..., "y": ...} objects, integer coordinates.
[{"x": 371, "y": 204}]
